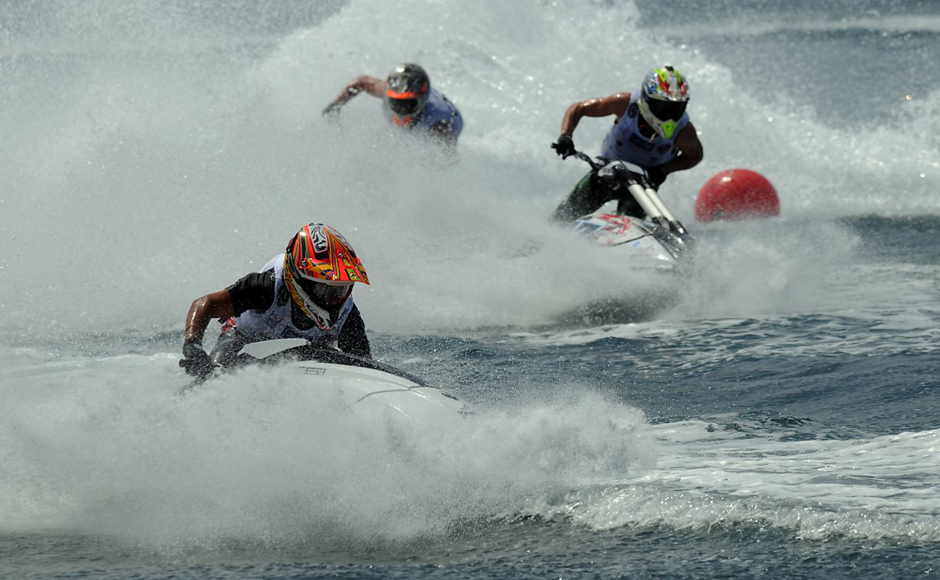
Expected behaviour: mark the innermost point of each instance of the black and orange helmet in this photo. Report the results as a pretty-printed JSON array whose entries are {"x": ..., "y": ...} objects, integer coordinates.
[{"x": 407, "y": 90}]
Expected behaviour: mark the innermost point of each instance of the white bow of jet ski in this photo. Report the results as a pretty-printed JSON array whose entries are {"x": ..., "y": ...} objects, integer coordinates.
[
  {"x": 359, "y": 381},
  {"x": 656, "y": 241}
]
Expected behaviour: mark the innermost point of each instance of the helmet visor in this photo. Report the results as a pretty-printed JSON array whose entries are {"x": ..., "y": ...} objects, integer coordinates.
[
  {"x": 403, "y": 106},
  {"x": 666, "y": 110},
  {"x": 325, "y": 295}
]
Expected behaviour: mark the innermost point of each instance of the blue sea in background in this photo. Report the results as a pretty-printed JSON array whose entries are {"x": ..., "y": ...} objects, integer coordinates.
[{"x": 772, "y": 413}]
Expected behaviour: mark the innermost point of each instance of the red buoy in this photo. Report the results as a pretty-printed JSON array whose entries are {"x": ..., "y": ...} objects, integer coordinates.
[{"x": 736, "y": 194}]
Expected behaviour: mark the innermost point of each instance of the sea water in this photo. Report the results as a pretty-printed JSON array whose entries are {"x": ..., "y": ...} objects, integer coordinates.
[{"x": 776, "y": 416}]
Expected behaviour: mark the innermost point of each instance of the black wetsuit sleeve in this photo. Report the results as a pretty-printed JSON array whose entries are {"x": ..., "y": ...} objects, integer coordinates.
[
  {"x": 253, "y": 292},
  {"x": 352, "y": 338}
]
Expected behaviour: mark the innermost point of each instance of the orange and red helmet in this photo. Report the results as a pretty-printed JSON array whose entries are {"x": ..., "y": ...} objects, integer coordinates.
[
  {"x": 407, "y": 91},
  {"x": 320, "y": 268}
]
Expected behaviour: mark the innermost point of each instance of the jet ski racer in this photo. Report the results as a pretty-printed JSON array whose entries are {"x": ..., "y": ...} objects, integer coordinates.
[
  {"x": 306, "y": 292},
  {"x": 651, "y": 129},
  {"x": 408, "y": 101}
]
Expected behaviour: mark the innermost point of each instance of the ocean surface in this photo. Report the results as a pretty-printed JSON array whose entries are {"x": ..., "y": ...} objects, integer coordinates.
[{"x": 772, "y": 413}]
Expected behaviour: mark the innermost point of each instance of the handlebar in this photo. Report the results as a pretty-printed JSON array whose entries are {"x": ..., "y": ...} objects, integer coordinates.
[
  {"x": 587, "y": 159},
  {"x": 628, "y": 176}
]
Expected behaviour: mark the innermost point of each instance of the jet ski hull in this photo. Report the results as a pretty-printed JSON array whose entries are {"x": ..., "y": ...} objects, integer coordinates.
[
  {"x": 634, "y": 241},
  {"x": 360, "y": 382},
  {"x": 382, "y": 391}
]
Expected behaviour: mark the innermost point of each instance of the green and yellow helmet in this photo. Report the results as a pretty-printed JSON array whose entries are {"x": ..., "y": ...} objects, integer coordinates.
[{"x": 663, "y": 99}]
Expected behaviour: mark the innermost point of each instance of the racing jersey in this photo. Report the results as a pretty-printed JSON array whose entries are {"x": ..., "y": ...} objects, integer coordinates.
[
  {"x": 624, "y": 141},
  {"x": 438, "y": 109},
  {"x": 263, "y": 311}
]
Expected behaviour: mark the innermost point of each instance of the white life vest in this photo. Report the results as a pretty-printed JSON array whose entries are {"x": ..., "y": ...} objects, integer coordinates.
[
  {"x": 276, "y": 321},
  {"x": 625, "y": 143}
]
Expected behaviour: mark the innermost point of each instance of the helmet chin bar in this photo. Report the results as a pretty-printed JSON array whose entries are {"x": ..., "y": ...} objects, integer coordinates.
[
  {"x": 665, "y": 129},
  {"x": 320, "y": 317}
]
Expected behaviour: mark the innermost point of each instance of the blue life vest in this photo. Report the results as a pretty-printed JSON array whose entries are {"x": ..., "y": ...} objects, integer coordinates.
[
  {"x": 276, "y": 321},
  {"x": 624, "y": 141},
  {"x": 437, "y": 109}
]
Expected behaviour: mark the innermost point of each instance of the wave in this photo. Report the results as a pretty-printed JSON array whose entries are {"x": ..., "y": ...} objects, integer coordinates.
[{"x": 929, "y": 24}]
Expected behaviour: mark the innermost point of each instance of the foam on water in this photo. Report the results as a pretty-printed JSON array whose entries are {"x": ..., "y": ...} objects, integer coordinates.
[
  {"x": 102, "y": 446},
  {"x": 94, "y": 447},
  {"x": 877, "y": 489}
]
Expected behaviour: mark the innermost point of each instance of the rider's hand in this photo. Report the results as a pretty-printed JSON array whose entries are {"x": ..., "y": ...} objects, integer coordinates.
[
  {"x": 655, "y": 176},
  {"x": 564, "y": 146},
  {"x": 195, "y": 360},
  {"x": 331, "y": 112}
]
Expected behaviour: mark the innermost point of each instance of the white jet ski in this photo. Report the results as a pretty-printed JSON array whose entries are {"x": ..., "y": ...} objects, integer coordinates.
[
  {"x": 654, "y": 241},
  {"x": 631, "y": 237},
  {"x": 360, "y": 381}
]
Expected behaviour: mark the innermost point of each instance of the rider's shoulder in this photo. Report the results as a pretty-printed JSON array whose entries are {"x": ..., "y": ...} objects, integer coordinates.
[{"x": 619, "y": 97}]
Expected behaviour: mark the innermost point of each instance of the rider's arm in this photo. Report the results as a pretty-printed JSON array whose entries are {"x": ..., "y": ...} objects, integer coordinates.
[
  {"x": 254, "y": 291},
  {"x": 352, "y": 337},
  {"x": 602, "y": 107},
  {"x": 372, "y": 85},
  {"x": 215, "y": 305},
  {"x": 690, "y": 149}
]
